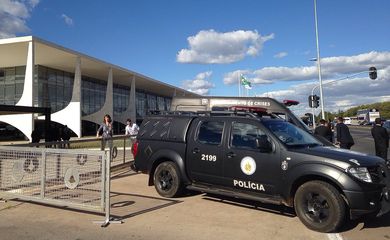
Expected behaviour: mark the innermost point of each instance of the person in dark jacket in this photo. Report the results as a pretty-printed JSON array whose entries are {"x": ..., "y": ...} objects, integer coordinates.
[
  {"x": 343, "y": 136},
  {"x": 381, "y": 139},
  {"x": 324, "y": 131}
]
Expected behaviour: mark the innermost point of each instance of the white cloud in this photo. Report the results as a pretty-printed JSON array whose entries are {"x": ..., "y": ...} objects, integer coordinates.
[
  {"x": 67, "y": 20},
  {"x": 281, "y": 55},
  {"x": 341, "y": 94},
  {"x": 13, "y": 16},
  {"x": 200, "y": 85},
  {"x": 209, "y": 46},
  {"x": 331, "y": 67}
]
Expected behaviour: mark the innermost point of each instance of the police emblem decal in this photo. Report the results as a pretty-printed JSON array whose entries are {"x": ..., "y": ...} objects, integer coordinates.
[
  {"x": 248, "y": 165},
  {"x": 284, "y": 165}
]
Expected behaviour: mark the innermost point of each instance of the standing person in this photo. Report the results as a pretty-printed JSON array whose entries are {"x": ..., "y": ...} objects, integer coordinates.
[
  {"x": 324, "y": 131},
  {"x": 35, "y": 136},
  {"x": 343, "y": 135},
  {"x": 106, "y": 129},
  {"x": 381, "y": 139},
  {"x": 66, "y": 136},
  {"x": 131, "y": 130}
]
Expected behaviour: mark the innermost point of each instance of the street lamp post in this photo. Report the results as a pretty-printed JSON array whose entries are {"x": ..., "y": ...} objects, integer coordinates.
[
  {"x": 319, "y": 61},
  {"x": 332, "y": 81}
]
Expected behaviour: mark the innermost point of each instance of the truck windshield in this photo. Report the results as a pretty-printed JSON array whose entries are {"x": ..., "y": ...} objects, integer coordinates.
[{"x": 291, "y": 135}]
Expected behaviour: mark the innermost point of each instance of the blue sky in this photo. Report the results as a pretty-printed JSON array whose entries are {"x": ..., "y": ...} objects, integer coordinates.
[{"x": 204, "y": 45}]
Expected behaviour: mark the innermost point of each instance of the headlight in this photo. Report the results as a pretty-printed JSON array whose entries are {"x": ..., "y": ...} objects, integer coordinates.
[{"x": 361, "y": 173}]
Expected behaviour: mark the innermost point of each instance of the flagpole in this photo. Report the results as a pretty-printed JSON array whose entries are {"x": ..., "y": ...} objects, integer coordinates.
[{"x": 239, "y": 85}]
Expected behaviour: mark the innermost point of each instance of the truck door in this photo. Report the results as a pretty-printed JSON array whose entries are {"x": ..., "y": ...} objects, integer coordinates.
[
  {"x": 205, "y": 151},
  {"x": 246, "y": 167}
]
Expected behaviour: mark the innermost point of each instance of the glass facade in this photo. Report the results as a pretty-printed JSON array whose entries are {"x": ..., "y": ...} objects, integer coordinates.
[
  {"x": 140, "y": 104},
  {"x": 121, "y": 98},
  {"x": 145, "y": 102},
  {"x": 11, "y": 84},
  {"x": 53, "y": 88},
  {"x": 93, "y": 95}
]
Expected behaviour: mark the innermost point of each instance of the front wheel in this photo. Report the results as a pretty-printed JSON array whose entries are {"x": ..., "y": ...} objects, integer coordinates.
[
  {"x": 319, "y": 206},
  {"x": 167, "y": 180}
]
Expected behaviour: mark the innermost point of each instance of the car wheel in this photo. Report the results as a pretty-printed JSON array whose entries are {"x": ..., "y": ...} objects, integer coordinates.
[
  {"x": 319, "y": 206},
  {"x": 167, "y": 180}
]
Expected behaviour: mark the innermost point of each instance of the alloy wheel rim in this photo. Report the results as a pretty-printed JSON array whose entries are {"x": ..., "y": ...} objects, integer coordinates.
[
  {"x": 165, "y": 180},
  {"x": 316, "y": 207}
]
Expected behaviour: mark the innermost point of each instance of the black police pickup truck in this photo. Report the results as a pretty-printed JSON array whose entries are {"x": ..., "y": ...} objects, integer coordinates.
[{"x": 262, "y": 159}]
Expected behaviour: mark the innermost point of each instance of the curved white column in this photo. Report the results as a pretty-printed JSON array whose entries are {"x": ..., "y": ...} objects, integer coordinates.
[
  {"x": 71, "y": 114},
  {"x": 97, "y": 117},
  {"x": 25, "y": 122}
]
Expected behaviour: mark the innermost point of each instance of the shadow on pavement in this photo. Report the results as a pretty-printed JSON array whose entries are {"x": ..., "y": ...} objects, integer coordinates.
[
  {"x": 383, "y": 221},
  {"x": 368, "y": 222},
  {"x": 126, "y": 205},
  {"x": 123, "y": 205},
  {"x": 123, "y": 174},
  {"x": 271, "y": 208}
]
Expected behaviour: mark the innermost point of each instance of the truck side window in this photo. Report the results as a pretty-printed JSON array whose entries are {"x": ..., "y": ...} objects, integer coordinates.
[
  {"x": 210, "y": 132},
  {"x": 244, "y": 135}
]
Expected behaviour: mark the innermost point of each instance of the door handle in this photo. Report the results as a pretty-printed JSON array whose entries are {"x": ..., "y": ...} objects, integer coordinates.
[
  {"x": 195, "y": 150},
  {"x": 231, "y": 155}
]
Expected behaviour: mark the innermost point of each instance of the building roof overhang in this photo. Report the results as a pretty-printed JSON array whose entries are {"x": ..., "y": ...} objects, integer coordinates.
[{"x": 14, "y": 53}]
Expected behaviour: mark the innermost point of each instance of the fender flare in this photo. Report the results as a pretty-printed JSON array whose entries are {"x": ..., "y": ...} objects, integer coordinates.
[
  {"x": 167, "y": 155},
  {"x": 312, "y": 171}
]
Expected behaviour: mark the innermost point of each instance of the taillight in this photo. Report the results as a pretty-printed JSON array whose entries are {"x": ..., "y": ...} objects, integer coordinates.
[{"x": 134, "y": 148}]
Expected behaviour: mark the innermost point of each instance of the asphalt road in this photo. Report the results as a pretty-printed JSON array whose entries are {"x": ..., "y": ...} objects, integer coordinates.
[
  {"x": 196, "y": 216},
  {"x": 373, "y": 228}
]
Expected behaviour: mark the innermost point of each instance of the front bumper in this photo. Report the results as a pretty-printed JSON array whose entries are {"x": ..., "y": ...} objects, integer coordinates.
[
  {"x": 385, "y": 202},
  {"x": 368, "y": 203}
]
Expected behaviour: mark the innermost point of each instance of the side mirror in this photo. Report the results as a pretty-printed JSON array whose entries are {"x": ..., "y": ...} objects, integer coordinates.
[{"x": 263, "y": 144}]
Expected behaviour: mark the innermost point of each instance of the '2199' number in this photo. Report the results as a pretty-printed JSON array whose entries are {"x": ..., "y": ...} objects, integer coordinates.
[{"x": 211, "y": 158}]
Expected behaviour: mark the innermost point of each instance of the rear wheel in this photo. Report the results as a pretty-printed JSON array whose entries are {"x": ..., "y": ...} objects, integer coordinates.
[
  {"x": 319, "y": 206},
  {"x": 167, "y": 180}
]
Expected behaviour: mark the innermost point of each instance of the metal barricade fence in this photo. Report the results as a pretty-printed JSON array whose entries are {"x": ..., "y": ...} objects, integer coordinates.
[
  {"x": 77, "y": 178},
  {"x": 121, "y": 146}
]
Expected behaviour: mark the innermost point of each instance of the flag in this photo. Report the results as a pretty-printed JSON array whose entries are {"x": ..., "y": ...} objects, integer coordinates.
[{"x": 245, "y": 82}]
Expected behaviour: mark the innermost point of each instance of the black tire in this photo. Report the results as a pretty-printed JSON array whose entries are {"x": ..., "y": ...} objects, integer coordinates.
[
  {"x": 320, "y": 206},
  {"x": 167, "y": 180}
]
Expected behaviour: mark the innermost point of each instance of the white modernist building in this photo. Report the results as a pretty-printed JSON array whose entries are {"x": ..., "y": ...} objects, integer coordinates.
[{"x": 78, "y": 88}]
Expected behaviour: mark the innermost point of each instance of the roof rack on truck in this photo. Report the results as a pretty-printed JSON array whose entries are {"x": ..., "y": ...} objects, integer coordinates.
[
  {"x": 262, "y": 106},
  {"x": 208, "y": 113}
]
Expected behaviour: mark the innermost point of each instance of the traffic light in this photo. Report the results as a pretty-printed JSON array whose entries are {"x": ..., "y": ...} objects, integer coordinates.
[
  {"x": 372, "y": 73},
  {"x": 316, "y": 101},
  {"x": 311, "y": 100}
]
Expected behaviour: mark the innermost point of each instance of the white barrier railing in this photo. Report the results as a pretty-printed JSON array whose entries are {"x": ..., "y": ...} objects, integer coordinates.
[{"x": 72, "y": 178}]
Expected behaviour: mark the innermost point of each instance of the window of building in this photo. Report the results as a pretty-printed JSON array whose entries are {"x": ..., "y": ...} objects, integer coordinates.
[
  {"x": 121, "y": 98},
  {"x": 210, "y": 132},
  {"x": 140, "y": 104},
  {"x": 54, "y": 88},
  {"x": 161, "y": 103},
  {"x": 93, "y": 94},
  {"x": 168, "y": 104},
  {"x": 151, "y": 102}
]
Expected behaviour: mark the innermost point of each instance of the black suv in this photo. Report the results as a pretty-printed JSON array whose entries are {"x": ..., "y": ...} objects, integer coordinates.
[{"x": 267, "y": 160}]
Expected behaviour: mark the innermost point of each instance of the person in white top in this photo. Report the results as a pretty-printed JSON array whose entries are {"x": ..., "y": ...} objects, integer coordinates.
[{"x": 131, "y": 130}]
